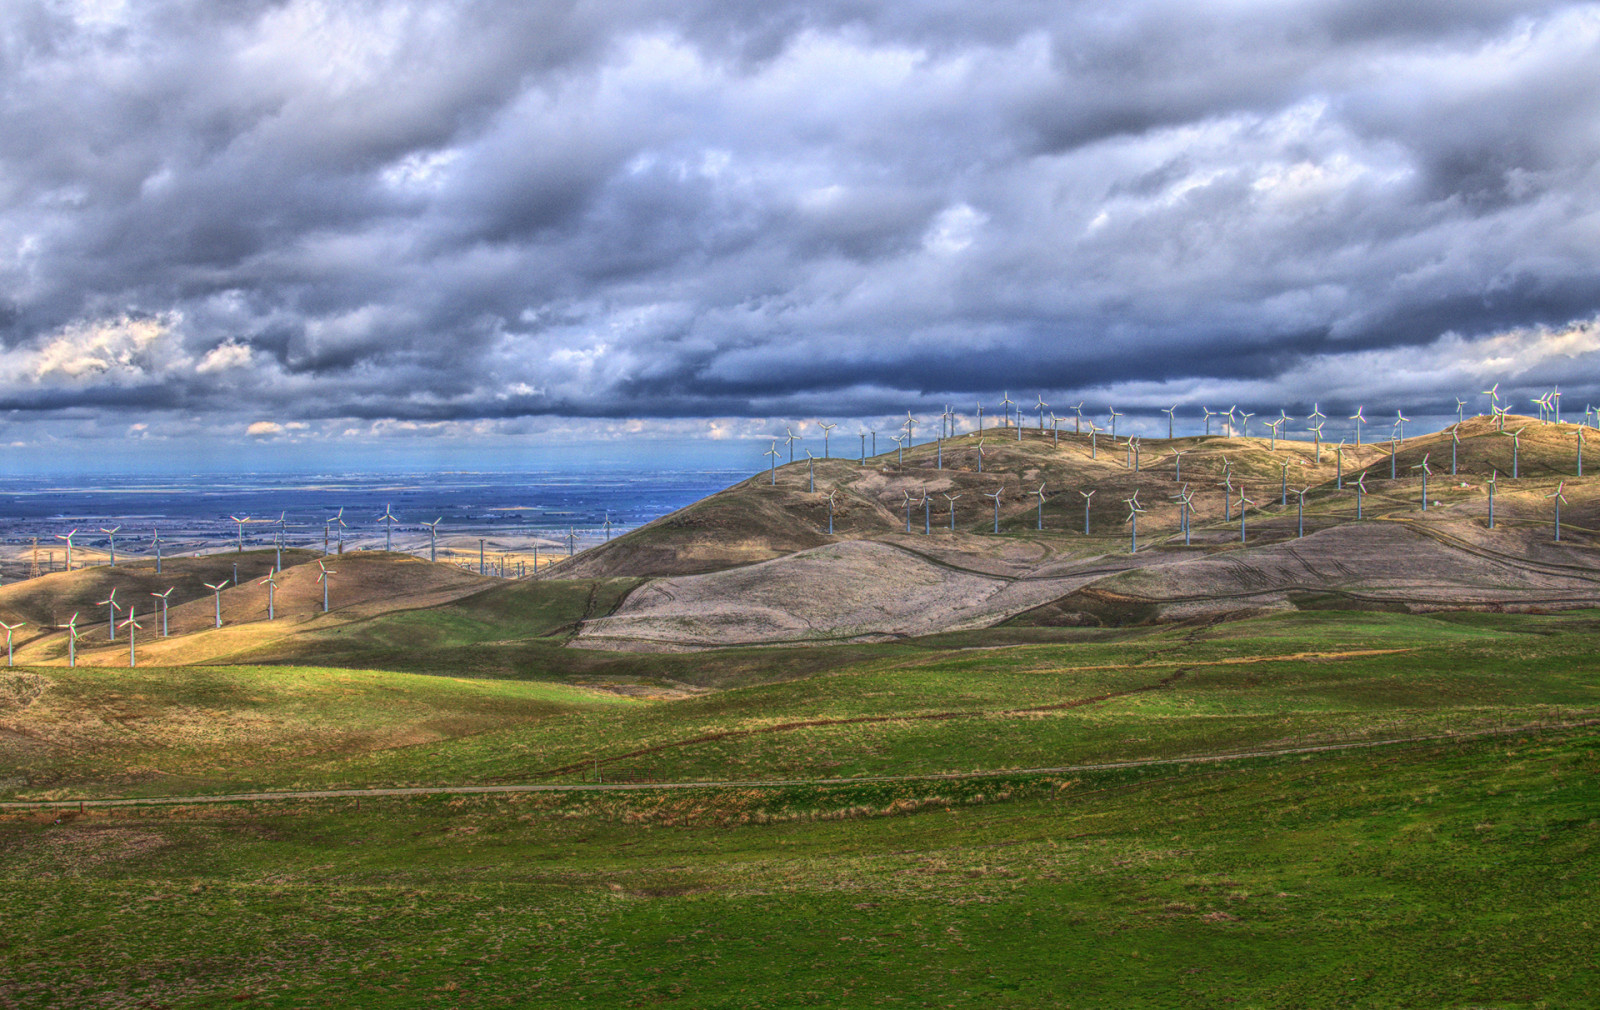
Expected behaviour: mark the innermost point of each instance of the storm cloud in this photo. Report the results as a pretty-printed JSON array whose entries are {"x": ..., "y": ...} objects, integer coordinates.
[{"x": 423, "y": 214}]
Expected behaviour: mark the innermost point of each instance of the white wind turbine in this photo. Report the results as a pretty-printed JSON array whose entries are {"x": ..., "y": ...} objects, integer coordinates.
[
  {"x": 164, "y": 597},
  {"x": 1041, "y": 405},
  {"x": 1394, "y": 452},
  {"x": 927, "y": 512},
  {"x": 1171, "y": 413},
  {"x": 1113, "y": 413},
  {"x": 1491, "y": 485},
  {"x": 1301, "y": 530},
  {"x": 607, "y": 525},
  {"x": 277, "y": 540},
  {"x": 322, "y": 577},
  {"x": 1229, "y": 415},
  {"x": 112, "y": 606},
  {"x": 1227, "y": 496},
  {"x": 1455, "y": 449},
  {"x": 1338, "y": 466},
  {"x": 155, "y": 541},
  {"x": 830, "y": 510},
  {"x": 1400, "y": 420},
  {"x": 951, "y": 499},
  {"x": 68, "y": 538},
  {"x": 863, "y": 453},
  {"x": 1244, "y": 504},
  {"x": 241, "y": 523},
  {"x": 1426, "y": 470},
  {"x": 899, "y": 449},
  {"x": 980, "y": 455},
  {"x": 11, "y": 629},
  {"x": 827, "y": 430},
  {"x": 1285, "y": 488},
  {"x": 1275, "y": 424},
  {"x": 1244, "y": 423},
  {"x": 1209, "y": 414},
  {"x": 1133, "y": 522},
  {"x": 390, "y": 519},
  {"x": 1516, "y": 447},
  {"x": 1177, "y": 465},
  {"x": 112, "y": 533},
  {"x": 772, "y": 468},
  {"x": 1134, "y": 444},
  {"x": 1077, "y": 423},
  {"x": 1461, "y": 411},
  {"x": 790, "y": 438},
  {"x": 1580, "y": 451},
  {"x": 133, "y": 626},
  {"x": 1557, "y": 495},
  {"x": 1316, "y": 434},
  {"x": 217, "y": 590},
  {"x": 1040, "y": 523},
  {"x": 1185, "y": 502},
  {"x": 1360, "y": 485},
  {"x": 811, "y": 473},
  {"x": 1493, "y": 393},
  {"x": 1087, "y": 496},
  {"x": 910, "y": 501},
  {"x": 433, "y": 538},
  {"x": 1007, "y": 403},
  {"x": 1359, "y": 418},
  {"x": 1055, "y": 428},
  {"x": 1094, "y": 431},
  {"x": 272, "y": 586},
  {"x": 996, "y": 496},
  {"x": 72, "y": 640}
]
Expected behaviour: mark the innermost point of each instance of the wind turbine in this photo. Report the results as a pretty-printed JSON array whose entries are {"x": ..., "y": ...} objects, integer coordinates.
[
  {"x": 1361, "y": 488},
  {"x": 1580, "y": 451},
  {"x": 572, "y": 540},
  {"x": 1077, "y": 424},
  {"x": 1493, "y": 393},
  {"x": 899, "y": 449},
  {"x": 155, "y": 541},
  {"x": 1040, "y": 493},
  {"x": 790, "y": 439},
  {"x": 133, "y": 626},
  {"x": 1055, "y": 428},
  {"x": 811, "y": 473},
  {"x": 1400, "y": 424},
  {"x": 1316, "y": 414},
  {"x": 110, "y": 602},
  {"x": 68, "y": 538},
  {"x": 11, "y": 628},
  {"x": 927, "y": 513},
  {"x": 1555, "y": 398},
  {"x": 1275, "y": 424},
  {"x": 388, "y": 531},
  {"x": 1183, "y": 499},
  {"x": 112, "y": 533},
  {"x": 241, "y": 523},
  {"x": 863, "y": 454},
  {"x": 1244, "y": 423},
  {"x": 1133, "y": 522},
  {"x": 1338, "y": 463},
  {"x": 1499, "y": 419},
  {"x": 951, "y": 498},
  {"x": 772, "y": 468},
  {"x": 1134, "y": 441},
  {"x": 1426, "y": 470},
  {"x": 1461, "y": 411},
  {"x": 980, "y": 417},
  {"x": 433, "y": 538},
  {"x": 1516, "y": 445},
  {"x": 1359, "y": 418},
  {"x": 980, "y": 454},
  {"x": 1177, "y": 464},
  {"x": 1227, "y": 491},
  {"x": 1209, "y": 414},
  {"x": 72, "y": 640},
  {"x": 1394, "y": 452},
  {"x": 1094, "y": 430},
  {"x": 217, "y": 589},
  {"x": 1557, "y": 495},
  {"x": 163, "y": 597},
  {"x": 1229, "y": 415},
  {"x": 1316, "y": 433},
  {"x": 607, "y": 525},
  {"x": 1041, "y": 405},
  {"x": 1455, "y": 449},
  {"x": 1492, "y": 475},
  {"x": 272, "y": 585},
  {"x": 1243, "y": 503},
  {"x": 1302, "y": 514},
  {"x": 830, "y": 510},
  {"x": 996, "y": 496},
  {"x": 322, "y": 577},
  {"x": 1087, "y": 495},
  {"x": 1114, "y": 414},
  {"x": 908, "y": 503},
  {"x": 277, "y": 540},
  {"x": 827, "y": 429},
  {"x": 1171, "y": 413},
  {"x": 1007, "y": 402}
]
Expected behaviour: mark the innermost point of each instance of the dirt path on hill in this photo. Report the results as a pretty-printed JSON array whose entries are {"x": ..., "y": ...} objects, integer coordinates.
[{"x": 1244, "y": 755}]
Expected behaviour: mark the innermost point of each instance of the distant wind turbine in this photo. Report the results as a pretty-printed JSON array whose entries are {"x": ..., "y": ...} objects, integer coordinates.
[
  {"x": 433, "y": 538},
  {"x": 68, "y": 538},
  {"x": 322, "y": 576},
  {"x": 241, "y": 523},
  {"x": 1040, "y": 493},
  {"x": 830, "y": 510},
  {"x": 390, "y": 519},
  {"x": 951, "y": 499},
  {"x": 1171, "y": 413},
  {"x": 1425, "y": 470},
  {"x": 1360, "y": 484},
  {"x": 1301, "y": 531},
  {"x": 164, "y": 597},
  {"x": 1492, "y": 475},
  {"x": 1244, "y": 503},
  {"x": 11, "y": 629},
  {"x": 827, "y": 430},
  {"x": 133, "y": 626},
  {"x": 112, "y": 533},
  {"x": 1560, "y": 499},
  {"x": 72, "y": 640},
  {"x": 996, "y": 496},
  {"x": 272, "y": 586},
  {"x": 1516, "y": 446},
  {"x": 112, "y": 606},
  {"x": 1133, "y": 522},
  {"x": 772, "y": 468},
  {"x": 217, "y": 589},
  {"x": 155, "y": 541}
]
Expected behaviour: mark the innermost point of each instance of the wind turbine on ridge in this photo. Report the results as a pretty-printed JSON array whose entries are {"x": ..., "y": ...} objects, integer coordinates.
[
  {"x": 112, "y": 533},
  {"x": 390, "y": 519}
]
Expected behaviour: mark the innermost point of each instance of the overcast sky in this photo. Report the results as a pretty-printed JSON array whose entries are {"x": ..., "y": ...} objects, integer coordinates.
[{"x": 301, "y": 230}]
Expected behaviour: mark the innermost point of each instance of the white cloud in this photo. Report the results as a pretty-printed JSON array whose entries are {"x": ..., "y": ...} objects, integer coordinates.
[{"x": 226, "y": 355}]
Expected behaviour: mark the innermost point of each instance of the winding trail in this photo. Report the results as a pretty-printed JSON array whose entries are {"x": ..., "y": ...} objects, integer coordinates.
[{"x": 645, "y": 787}]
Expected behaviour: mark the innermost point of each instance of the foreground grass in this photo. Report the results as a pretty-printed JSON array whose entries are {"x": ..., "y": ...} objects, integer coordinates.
[{"x": 1456, "y": 875}]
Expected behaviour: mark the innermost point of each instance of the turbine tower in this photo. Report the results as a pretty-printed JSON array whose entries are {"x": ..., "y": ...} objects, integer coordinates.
[
  {"x": 951, "y": 499},
  {"x": 217, "y": 589},
  {"x": 72, "y": 640},
  {"x": 772, "y": 468},
  {"x": 1361, "y": 488},
  {"x": 1301, "y": 530},
  {"x": 830, "y": 510},
  {"x": 1243, "y": 504},
  {"x": 1171, "y": 413},
  {"x": 1040, "y": 523},
  {"x": 1113, "y": 413},
  {"x": 1557, "y": 495},
  {"x": 155, "y": 541},
  {"x": 272, "y": 586},
  {"x": 996, "y": 496},
  {"x": 112, "y": 606},
  {"x": 1087, "y": 495},
  {"x": 1133, "y": 522},
  {"x": 241, "y": 523},
  {"x": 827, "y": 429},
  {"x": 68, "y": 538},
  {"x": 1359, "y": 418},
  {"x": 322, "y": 577},
  {"x": 389, "y": 519},
  {"x": 133, "y": 626},
  {"x": 1516, "y": 446},
  {"x": 433, "y": 538},
  {"x": 1426, "y": 470},
  {"x": 164, "y": 597},
  {"x": 112, "y": 533},
  {"x": 11, "y": 628}
]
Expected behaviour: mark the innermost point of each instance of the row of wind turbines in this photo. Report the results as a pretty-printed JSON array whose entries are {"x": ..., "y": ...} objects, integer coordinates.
[{"x": 1547, "y": 404}]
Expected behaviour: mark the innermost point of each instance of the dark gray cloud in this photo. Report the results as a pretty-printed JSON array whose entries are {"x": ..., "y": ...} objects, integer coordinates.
[{"x": 454, "y": 212}]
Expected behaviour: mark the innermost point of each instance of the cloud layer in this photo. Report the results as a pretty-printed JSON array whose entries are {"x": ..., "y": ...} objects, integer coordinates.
[{"x": 438, "y": 217}]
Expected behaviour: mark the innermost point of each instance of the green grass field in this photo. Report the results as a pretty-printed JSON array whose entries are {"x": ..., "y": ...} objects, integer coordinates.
[{"x": 1458, "y": 869}]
